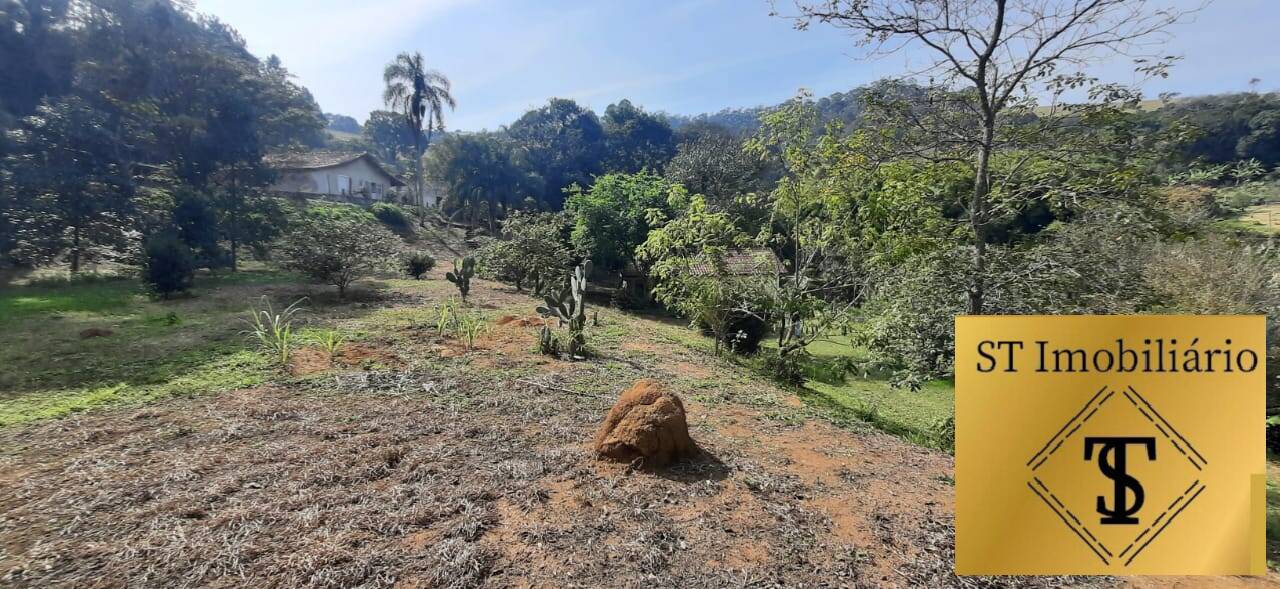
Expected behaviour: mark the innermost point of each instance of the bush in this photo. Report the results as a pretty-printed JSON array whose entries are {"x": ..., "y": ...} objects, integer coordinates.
[
  {"x": 531, "y": 253},
  {"x": 789, "y": 369},
  {"x": 910, "y": 317},
  {"x": 337, "y": 250},
  {"x": 170, "y": 265},
  {"x": 418, "y": 263},
  {"x": 392, "y": 216}
]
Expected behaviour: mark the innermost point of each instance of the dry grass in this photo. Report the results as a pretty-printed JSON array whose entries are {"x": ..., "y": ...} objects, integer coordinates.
[
  {"x": 429, "y": 465},
  {"x": 426, "y": 478}
]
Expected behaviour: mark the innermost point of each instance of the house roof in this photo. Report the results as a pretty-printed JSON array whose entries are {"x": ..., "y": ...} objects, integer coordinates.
[
  {"x": 743, "y": 262},
  {"x": 320, "y": 159}
]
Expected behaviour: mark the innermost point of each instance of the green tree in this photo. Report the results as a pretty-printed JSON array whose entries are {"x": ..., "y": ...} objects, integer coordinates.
[
  {"x": 338, "y": 249},
  {"x": 69, "y": 162},
  {"x": 389, "y": 136},
  {"x": 533, "y": 251},
  {"x": 992, "y": 63},
  {"x": 419, "y": 94},
  {"x": 636, "y": 140},
  {"x": 686, "y": 259},
  {"x": 484, "y": 174},
  {"x": 563, "y": 143},
  {"x": 719, "y": 168},
  {"x": 613, "y": 217}
]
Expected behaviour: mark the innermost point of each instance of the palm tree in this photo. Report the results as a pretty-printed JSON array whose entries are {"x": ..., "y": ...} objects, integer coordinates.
[{"x": 421, "y": 95}]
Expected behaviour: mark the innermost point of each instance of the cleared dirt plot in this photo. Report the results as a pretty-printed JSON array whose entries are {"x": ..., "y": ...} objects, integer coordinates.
[{"x": 407, "y": 460}]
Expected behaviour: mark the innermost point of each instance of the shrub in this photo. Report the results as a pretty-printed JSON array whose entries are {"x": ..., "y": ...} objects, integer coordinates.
[
  {"x": 392, "y": 216},
  {"x": 909, "y": 317},
  {"x": 337, "y": 250},
  {"x": 788, "y": 369},
  {"x": 532, "y": 251},
  {"x": 170, "y": 265},
  {"x": 1216, "y": 276},
  {"x": 418, "y": 263}
]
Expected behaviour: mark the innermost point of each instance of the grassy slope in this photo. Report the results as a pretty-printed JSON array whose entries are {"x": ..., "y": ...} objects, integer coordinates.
[
  {"x": 156, "y": 348},
  {"x": 915, "y": 415},
  {"x": 195, "y": 345}
]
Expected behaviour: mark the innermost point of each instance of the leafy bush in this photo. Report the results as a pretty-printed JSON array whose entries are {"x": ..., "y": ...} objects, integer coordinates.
[
  {"x": 170, "y": 265},
  {"x": 394, "y": 217},
  {"x": 337, "y": 250},
  {"x": 788, "y": 369},
  {"x": 909, "y": 317},
  {"x": 532, "y": 252},
  {"x": 418, "y": 263}
]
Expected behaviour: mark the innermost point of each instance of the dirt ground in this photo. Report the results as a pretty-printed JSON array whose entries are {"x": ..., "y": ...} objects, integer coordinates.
[{"x": 411, "y": 462}]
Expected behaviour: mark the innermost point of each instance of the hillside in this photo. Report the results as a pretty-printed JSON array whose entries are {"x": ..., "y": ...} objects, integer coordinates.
[{"x": 410, "y": 459}]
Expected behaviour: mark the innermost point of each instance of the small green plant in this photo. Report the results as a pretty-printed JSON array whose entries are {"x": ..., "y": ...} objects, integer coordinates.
[
  {"x": 569, "y": 306},
  {"x": 418, "y": 263},
  {"x": 461, "y": 275},
  {"x": 329, "y": 340},
  {"x": 447, "y": 317},
  {"x": 470, "y": 326},
  {"x": 274, "y": 331}
]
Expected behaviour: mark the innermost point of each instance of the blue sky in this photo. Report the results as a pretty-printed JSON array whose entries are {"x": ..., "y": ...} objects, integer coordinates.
[{"x": 506, "y": 56}]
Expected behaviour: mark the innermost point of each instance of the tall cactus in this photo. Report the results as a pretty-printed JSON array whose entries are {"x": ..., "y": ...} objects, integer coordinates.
[
  {"x": 461, "y": 276},
  {"x": 569, "y": 306}
]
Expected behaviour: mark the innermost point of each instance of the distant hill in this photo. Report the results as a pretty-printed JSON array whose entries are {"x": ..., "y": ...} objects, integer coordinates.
[{"x": 845, "y": 107}]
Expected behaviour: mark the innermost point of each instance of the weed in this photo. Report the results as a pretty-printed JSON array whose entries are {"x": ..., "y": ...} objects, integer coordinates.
[
  {"x": 274, "y": 331},
  {"x": 446, "y": 315},
  {"x": 329, "y": 340},
  {"x": 469, "y": 326}
]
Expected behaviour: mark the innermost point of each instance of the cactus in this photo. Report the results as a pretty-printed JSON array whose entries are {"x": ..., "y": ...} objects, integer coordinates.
[
  {"x": 569, "y": 306},
  {"x": 547, "y": 344},
  {"x": 461, "y": 276}
]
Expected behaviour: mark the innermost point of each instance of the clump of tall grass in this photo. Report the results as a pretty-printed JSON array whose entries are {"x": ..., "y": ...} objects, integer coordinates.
[
  {"x": 447, "y": 317},
  {"x": 274, "y": 331},
  {"x": 470, "y": 326},
  {"x": 329, "y": 340}
]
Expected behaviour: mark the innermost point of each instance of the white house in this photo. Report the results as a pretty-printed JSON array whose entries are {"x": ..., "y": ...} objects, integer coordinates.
[{"x": 353, "y": 177}]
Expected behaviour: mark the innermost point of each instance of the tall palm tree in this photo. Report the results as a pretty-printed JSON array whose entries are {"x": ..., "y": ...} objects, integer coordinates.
[{"x": 421, "y": 95}]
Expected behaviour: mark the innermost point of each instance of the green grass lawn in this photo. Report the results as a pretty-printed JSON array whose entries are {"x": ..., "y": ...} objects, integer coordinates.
[
  {"x": 188, "y": 345},
  {"x": 836, "y": 384}
]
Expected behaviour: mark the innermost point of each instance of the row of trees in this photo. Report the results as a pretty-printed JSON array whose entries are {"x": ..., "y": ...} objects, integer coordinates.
[
  {"x": 974, "y": 195},
  {"x": 125, "y": 120}
]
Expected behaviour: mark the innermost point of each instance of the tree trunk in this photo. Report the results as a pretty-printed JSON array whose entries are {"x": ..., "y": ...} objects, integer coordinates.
[
  {"x": 978, "y": 221},
  {"x": 75, "y": 250}
]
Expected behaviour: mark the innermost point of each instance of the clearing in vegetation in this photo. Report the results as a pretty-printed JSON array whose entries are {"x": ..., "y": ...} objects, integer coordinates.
[{"x": 397, "y": 456}]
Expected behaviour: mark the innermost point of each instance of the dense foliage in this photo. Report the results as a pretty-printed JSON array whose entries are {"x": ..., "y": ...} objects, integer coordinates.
[{"x": 107, "y": 111}]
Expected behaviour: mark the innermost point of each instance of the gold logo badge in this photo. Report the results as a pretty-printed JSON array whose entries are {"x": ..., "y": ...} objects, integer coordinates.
[{"x": 1110, "y": 445}]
